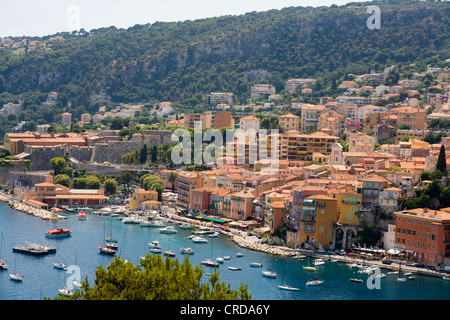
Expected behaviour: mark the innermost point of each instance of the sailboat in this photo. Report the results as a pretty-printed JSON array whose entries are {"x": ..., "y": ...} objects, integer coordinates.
[
  {"x": 65, "y": 291},
  {"x": 285, "y": 286},
  {"x": 105, "y": 249},
  {"x": 210, "y": 262},
  {"x": 3, "y": 264},
  {"x": 169, "y": 253},
  {"x": 315, "y": 282},
  {"x": 15, "y": 276},
  {"x": 59, "y": 265}
]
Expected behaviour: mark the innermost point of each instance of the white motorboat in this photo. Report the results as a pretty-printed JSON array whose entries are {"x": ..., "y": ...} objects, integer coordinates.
[
  {"x": 65, "y": 292},
  {"x": 186, "y": 226},
  {"x": 269, "y": 274},
  {"x": 239, "y": 254},
  {"x": 288, "y": 288},
  {"x": 187, "y": 250},
  {"x": 168, "y": 230},
  {"x": 210, "y": 263},
  {"x": 16, "y": 277},
  {"x": 155, "y": 250},
  {"x": 299, "y": 256},
  {"x": 226, "y": 257},
  {"x": 199, "y": 240},
  {"x": 59, "y": 265},
  {"x": 77, "y": 284},
  {"x": 145, "y": 223},
  {"x": 256, "y": 264},
  {"x": 155, "y": 244},
  {"x": 219, "y": 260},
  {"x": 214, "y": 235},
  {"x": 319, "y": 262}
]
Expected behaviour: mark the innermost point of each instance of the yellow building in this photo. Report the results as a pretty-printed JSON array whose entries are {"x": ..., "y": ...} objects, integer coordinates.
[
  {"x": 141, "y": 196},
  {"x": 301, "y": 147},
  {"x": 349, "y": 205},
  {"x": 289, "y": 122},
  {"x": 318, "y": 216}
]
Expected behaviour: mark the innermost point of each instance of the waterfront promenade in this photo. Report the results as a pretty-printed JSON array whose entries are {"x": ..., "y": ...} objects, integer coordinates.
[{"x": 28, "y": 208}]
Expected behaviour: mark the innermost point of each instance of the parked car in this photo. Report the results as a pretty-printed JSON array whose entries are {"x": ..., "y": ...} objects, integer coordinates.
[{"x": 419, "y": 265}]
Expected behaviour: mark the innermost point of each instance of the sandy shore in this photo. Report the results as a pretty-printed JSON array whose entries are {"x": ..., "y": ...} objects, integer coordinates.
[{"x": 28, "y": 209}]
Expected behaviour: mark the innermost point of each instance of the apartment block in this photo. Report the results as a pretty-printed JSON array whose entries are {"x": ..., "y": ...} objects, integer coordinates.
[
  {"x": 261, "y": 89},
  {"x": 301, "y": 147},
  {"x": 310, "y": 117},
  {"x": 206, "y": 118},
  {"x": 412, "y": 118},
  {"x": 289, "y": 122}
]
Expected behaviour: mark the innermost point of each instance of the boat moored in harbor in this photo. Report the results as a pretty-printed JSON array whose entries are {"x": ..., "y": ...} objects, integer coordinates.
[
  {"x": 34, "y": 249},
  {"x": 58, "y": 233}
]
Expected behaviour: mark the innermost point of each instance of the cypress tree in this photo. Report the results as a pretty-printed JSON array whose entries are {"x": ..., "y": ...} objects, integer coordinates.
[{"x": 441, "y": 164}]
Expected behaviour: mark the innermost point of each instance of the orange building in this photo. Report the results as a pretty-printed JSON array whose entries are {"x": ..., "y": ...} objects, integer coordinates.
[
  {"x": 223, "y": 120},
  {"x": 55, "y": 194},
  {"x": 424, "y": 234}
]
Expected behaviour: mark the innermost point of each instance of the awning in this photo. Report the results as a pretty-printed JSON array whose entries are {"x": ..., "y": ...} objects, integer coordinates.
[{"x": 214, "y": 220}]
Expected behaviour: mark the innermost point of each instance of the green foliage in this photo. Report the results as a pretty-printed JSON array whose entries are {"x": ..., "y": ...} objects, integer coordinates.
[
  {"x": 441, "y": 164},
  {"x": 62, "y": 179},
  {"x": 370, "y": 235},
  {"x": 58, "y": 164},
  {"x": 152, "y": 182},
  {"x": 110, "y": 186},
  {"x": 156, "y": 279},
  {"x": 168, "y": 61}
]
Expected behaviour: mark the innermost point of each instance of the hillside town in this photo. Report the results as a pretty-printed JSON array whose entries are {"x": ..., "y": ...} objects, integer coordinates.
[{"x": 373, "y": 158}]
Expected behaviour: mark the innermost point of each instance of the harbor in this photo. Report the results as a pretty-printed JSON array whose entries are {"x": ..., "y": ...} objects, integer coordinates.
[{"x": 241, "y": 260}]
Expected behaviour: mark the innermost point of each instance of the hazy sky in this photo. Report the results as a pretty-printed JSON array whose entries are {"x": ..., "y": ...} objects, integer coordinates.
[{"x": 46, "y": 17}]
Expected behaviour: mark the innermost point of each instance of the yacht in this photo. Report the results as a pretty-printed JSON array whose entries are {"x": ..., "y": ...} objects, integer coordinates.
[
  {"x": 319, "y": 262},
  {"x": 155, "y": 244},
  {"x": 288, "y": 288},
  {"x": 199, "y": 240},
  {"x": 65, "y": 292},
  {"x": 269, "y": 274},
  {"x": 209, "y": 262},
  {"x": 256, "y": 264},
  {"x": 187, "y": 250},
  {"x": 219, "y": 260},
  {"x": 168, "y": 230},
  {"x": 16, "y": 277},
  {"x": 314, "y": 282}
]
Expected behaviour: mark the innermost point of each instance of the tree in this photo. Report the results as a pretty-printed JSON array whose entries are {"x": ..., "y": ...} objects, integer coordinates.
[
  {"x": 143, "y": 155},
  {"x": 92, "y": 182},
  {"x": 172, "y": 179},
  {"x": 155, "y": 279},
  {"x": 110, "y": 186},
  {"x": 58, "y": 164},
  {"x": 79, "y": 183},
  {"x": 441, "y": 164},
  {"x": 154, "y": 154},
  {"x": 370, "y": 235},
  {"x": 62, "y": 179}
]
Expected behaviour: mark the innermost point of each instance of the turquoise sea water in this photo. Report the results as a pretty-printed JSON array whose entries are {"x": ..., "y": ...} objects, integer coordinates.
[{"x": 41, "y": 279}]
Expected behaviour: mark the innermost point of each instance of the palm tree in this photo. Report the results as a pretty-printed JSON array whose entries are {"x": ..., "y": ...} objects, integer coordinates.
[{"x": 172, "y": 178}]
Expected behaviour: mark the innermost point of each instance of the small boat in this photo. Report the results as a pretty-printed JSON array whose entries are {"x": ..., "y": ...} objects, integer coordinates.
[
  {"x": 81, "y": 215},
  {"x": 309, "y": 268},
  {"x": 77, "y": 284},
  {"x": 401, "y": 279},
  {"x": 58, "y": 233},
  {"x": 219, "y": 260},
  {"x": 155, "y": 250},
  {"x": 234, "y": 268},
  {"x": 209, "y": 262},
  {"x": 214, "y": 235},
  {"x": 155, "y": 244},
  {"x": 392, "y": 272},
  {"x": 447, "y": 277},
  {"x": 319, "y": 262},
  {"x": 186, "y": 226},
  {"x": 112, "y": 246},
  {"x": 187, "y": 250},
  {"x": 59, "y": 265},
  {"x": 226, "y": 257},
  {"x": 352, "y": 265},
  {"x": 407, "y": 273},
  {"x": 269, "y": 274},
  {"x": 314, "y": 282},
  {"x": 199, "y": 240},
  {"x": 16, "y": 277},
  {"x": 256, "y": 264},
  {"x": 65, "y": 292},
  {"x": 288, "y": 288},
  {"x": 411, "y": 277},
  {"x": 3, "y": 265},
  {"x": 169, "y": 253},
  {"x": 239, "y": 254},
  {"x": 299, "y": 256},
  {"x": 168, "y": 230},
  {"x": 145, "y": 224},
  {"x": 356, "y": 280},
  {"x": 381, "y": 275},
  {"x": 106, "y": 250}
]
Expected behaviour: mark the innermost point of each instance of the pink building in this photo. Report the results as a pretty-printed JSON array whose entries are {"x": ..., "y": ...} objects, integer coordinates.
[{"x": 66, "y": 118}]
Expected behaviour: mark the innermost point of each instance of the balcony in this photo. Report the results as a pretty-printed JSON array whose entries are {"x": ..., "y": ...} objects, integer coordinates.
[{"x": 308, "y": 220}]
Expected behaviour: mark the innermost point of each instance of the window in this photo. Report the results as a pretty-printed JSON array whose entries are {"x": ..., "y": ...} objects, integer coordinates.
[
  {"x": 349, "y": 215},
  {"x": 321, "y": 229}
]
